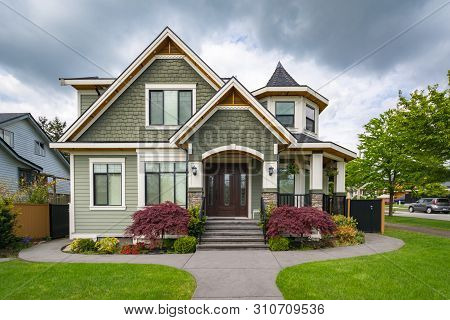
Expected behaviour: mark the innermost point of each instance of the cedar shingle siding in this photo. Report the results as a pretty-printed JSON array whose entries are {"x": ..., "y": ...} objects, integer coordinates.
[{"x": 124, "y": 121}]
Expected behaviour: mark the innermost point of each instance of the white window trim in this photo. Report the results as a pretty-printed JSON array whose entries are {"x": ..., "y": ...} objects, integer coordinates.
[
  {"x": 92, "y": 207},
  {"x": 308, "y": 104},
  {"x": 167, "y": 86}
]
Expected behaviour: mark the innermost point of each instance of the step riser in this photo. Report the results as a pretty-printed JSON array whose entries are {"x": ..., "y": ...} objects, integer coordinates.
[
  {"x": 225, "y": 241},
  {"x": 231, "y": 228},
  {"x": 229, "y": 249}
]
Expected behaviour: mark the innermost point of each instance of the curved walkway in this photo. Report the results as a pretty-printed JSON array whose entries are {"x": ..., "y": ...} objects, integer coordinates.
[{"x": 248, "y": 274}]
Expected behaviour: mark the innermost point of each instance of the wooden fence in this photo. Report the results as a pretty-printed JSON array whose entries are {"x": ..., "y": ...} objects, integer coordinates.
[{"x": 33, "y": 220}]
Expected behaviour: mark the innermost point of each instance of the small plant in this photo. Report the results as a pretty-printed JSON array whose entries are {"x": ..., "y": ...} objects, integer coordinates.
[
  {"x": 107, "y": 245},
  {"x": 278, "y": 243},
  {"x": 360, "y": 237},
  {"x": 185, "y": 244},
  {"x": 269, "y": 209},
  {"x": 196, "y": 225},
  {"x": 8, "y": 221},
  {"x": 137, "y": 248},
  {"x": 341, "y": 220},
  {"x": 345, "y": 235},
  {"x": 82, "y": 245}
]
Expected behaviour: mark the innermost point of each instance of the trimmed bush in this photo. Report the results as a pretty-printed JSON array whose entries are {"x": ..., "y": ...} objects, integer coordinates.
[
  {"x": 299, "y": 222},
  {"x": 107, "y": 245},
  {"x": 154, "y": 221},
  {"x": 360, "y": 237},
  {"x": 196, "y": 225},
  {"x": 134, "y": 248},
  {"x": 82, "y": 245},
  {"x": 341, "y": 220},
  {"x": 278, "y": 243},
  {"x": 7, "y": 222},
  {"x": 185, "y": 244}
]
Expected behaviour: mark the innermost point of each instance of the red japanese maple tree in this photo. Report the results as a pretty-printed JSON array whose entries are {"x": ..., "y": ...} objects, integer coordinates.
[
  {"x": 299, "y": 222},
  {"x": 153, "y": 222}
]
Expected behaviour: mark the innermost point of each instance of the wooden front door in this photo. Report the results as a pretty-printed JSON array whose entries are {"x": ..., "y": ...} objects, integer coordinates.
[{"x": 226, "y": 186}]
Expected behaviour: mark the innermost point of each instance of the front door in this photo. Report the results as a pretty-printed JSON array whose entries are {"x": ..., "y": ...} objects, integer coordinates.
[{"x": 226, "y": 186}]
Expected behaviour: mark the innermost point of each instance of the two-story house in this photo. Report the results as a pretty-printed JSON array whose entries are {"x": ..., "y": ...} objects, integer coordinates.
[
  {"x": 170, "y": 129},
  {"x": 25, "y": 153}
]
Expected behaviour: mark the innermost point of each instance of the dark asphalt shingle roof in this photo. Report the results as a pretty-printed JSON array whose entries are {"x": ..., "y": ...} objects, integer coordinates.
[
  {"x": 280, "y": 78},
  {"x": 9, "y": 116},
  {"x": 304, "y": 138}
]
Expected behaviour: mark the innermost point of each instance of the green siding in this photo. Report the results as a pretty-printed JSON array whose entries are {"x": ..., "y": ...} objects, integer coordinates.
[
  {"x": 86, "y": 100},
  {"x": 87, "y": 221},
  {"x": 124, "y": 121},
  {"x": 238, "y": 127}
]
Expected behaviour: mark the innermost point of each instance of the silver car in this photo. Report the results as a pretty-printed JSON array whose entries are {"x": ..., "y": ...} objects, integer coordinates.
[{"x": 430, "y": 205}]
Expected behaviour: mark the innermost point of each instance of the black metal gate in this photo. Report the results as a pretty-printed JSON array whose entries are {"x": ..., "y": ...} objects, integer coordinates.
[
  {"x": 59, "y": 220},
  {"x": 368, "y": 214}
]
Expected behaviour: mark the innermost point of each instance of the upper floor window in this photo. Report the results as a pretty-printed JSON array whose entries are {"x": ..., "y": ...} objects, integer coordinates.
[
  {"x": 310, "y": 118},
  {"x": 170, "y": 107},
  {"x": 39, "y": 148},
  {"x": 8, "y": 137},
  {"x": 284, "y": 112}
]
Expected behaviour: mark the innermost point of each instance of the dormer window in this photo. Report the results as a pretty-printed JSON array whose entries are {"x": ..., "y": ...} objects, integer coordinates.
[
  {"x": 310, "y": 118},
  {"x": 284, "y": 112},
  {"x": 8, "y": 137},
  {"x": 169, "y": 105}
]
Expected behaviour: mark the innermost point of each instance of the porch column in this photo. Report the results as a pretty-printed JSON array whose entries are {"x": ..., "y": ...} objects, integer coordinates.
[
  {"x": 317, "y": 180},
  {"x": 340, "y": 179},
  {"x": 269, "y": 182},
  {"x": 195, "y": 183}
]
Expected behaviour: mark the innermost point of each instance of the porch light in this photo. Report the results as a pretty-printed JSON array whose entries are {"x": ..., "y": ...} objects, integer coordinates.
[
  {"x": 194, "y": 170},
  {"x": 270, "y": 170}
]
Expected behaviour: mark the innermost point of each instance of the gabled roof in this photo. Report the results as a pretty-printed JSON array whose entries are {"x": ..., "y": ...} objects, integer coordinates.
[
  {"x": 233, "y": 95},
  {"x": 15, "y": 155},
  {"x": 86, "y": 83},
  {"x": 281, "y": 78},
  {"x": 304, "y": 138},
  {"x": 5, "y": 117},
  {"x": 167, "y": 43}
]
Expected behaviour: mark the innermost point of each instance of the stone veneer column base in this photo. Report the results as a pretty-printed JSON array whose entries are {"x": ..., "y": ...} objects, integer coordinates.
[
  {"x": 317, "y": 200},
  {"x": 195, "y": 197},
  {"x": 269, "y": 197}
]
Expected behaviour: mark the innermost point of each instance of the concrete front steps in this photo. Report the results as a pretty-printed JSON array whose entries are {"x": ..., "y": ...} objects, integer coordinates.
[{"x": 232, "y": 234}]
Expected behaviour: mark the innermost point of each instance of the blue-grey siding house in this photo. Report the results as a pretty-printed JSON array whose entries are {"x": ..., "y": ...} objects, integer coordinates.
[{"x": 25, "y": 152}]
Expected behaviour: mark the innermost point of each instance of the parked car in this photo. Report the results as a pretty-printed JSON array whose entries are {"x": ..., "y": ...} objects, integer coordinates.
[{"x": 430, "y": 205}]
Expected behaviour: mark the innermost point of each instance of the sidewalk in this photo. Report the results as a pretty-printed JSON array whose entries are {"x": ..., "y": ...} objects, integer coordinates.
[{"x": 425, "y": 230}]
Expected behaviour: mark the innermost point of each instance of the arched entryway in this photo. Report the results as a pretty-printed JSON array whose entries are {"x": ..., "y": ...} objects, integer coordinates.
[{"x": 228, "y": 173}]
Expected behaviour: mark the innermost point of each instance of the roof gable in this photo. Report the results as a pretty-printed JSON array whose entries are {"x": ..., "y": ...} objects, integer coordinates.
[
  {"x": 232, "y": 95},
  {"x": 167, "y": 43}
]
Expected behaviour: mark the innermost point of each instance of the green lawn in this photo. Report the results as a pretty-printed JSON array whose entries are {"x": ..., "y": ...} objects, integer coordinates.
[
  {"x": 419, "y": 222},
  {"x": 29, "y": 280},
  {"x": 419, "y": 270}
]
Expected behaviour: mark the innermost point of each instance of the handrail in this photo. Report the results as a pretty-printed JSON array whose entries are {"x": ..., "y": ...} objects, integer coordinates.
[
  {"x": 263, "y": 219},
  {"x": 294, "y": 200}
]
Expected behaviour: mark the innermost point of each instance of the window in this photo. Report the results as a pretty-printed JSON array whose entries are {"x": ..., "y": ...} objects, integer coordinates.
[
  {"x": 26, "y": 177},
  {"x": 287, "y": 179},
  {"x": 310, "y": 118},
  {"x": 264, "y": 104},
  {"x": 243, "y": 194},
  {"x": 39, "y": 148},
  {"x": 165, "y": 181},
  {"x": 170, "y": 107},
  {"x": 107, "y": 184},
  {"x": 307, "y": 177},
  {"x": 8, "y": 137},
  {"x": 284, "y": 111},
  {"x": 226, "y": 189}
]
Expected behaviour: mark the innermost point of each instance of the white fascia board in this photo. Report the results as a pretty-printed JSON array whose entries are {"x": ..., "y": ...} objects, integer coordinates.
[
  {"x": 78, "y": 82},
  {"x": 110, "y": 145},
  {"x": 323, "y": 145},
  {"x": 126, "y": 74},
  {"x": 291, "y": 89}
]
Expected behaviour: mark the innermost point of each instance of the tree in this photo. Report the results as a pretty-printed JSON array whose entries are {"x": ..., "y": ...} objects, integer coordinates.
[
  {"x": 53, "y": 128},
  {"x": 405, "y": 147},
  {"x": 432, "y": 190}
]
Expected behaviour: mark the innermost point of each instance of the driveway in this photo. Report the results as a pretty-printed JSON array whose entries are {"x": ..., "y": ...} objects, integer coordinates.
[
  {"x": 247, "y": 274},
  {"x": 432, "y": 216}
]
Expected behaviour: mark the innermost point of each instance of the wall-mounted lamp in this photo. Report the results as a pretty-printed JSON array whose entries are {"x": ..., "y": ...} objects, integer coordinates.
[
  {"x": 270, "y": 170},
  {"x": 194, "y": 170}
]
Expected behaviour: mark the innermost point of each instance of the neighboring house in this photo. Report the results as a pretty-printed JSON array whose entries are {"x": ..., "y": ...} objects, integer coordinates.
[
  {"x": 25, "y": 153},
  {"x": 170, "y": 129}
]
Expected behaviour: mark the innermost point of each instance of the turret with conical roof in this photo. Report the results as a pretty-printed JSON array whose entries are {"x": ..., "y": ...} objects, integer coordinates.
[{"x": 281, "y": 78}]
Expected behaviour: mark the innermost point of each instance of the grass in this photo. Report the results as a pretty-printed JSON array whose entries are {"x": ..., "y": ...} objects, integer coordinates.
[
  {"x": 65, "y": 281},
  {"x": 419, "y": 222},
  {"x": 419, "y": 270}
]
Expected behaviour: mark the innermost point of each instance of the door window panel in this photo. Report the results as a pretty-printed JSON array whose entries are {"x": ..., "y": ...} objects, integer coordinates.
[{"x": 226, "y": 189}]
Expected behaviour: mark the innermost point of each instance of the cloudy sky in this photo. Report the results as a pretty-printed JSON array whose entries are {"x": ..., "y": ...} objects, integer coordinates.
[{"x": 358, "y": 54}]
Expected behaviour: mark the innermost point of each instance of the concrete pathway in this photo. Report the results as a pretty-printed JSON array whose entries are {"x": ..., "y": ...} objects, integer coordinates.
[
  {"x": 432, "y": 216},
  {"x": 426, "y": 230},
  {"x": 5, "y": 259},
  {"x": 248, "y": 274}
]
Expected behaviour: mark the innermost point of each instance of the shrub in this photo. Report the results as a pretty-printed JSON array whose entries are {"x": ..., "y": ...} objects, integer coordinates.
[
  {"x": 196, "y": 225},
  {"x": 360, "y": 237},
  {"x": 134, "y": 248},
  {"x": 300, "y": 222},
  {"x": 278, "y": 243},
  {"x": 154, "y": 221},
  {"x": 185, "y": 244},
  {"x": 269, "y": 209},
  {"x": 8, "y": 220},
  {"x": 107, "y": 245},
  {"x": 341, "y": 220},
  {"x": 82, "y": 245},
  {"x": 345, "y": 235}
]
